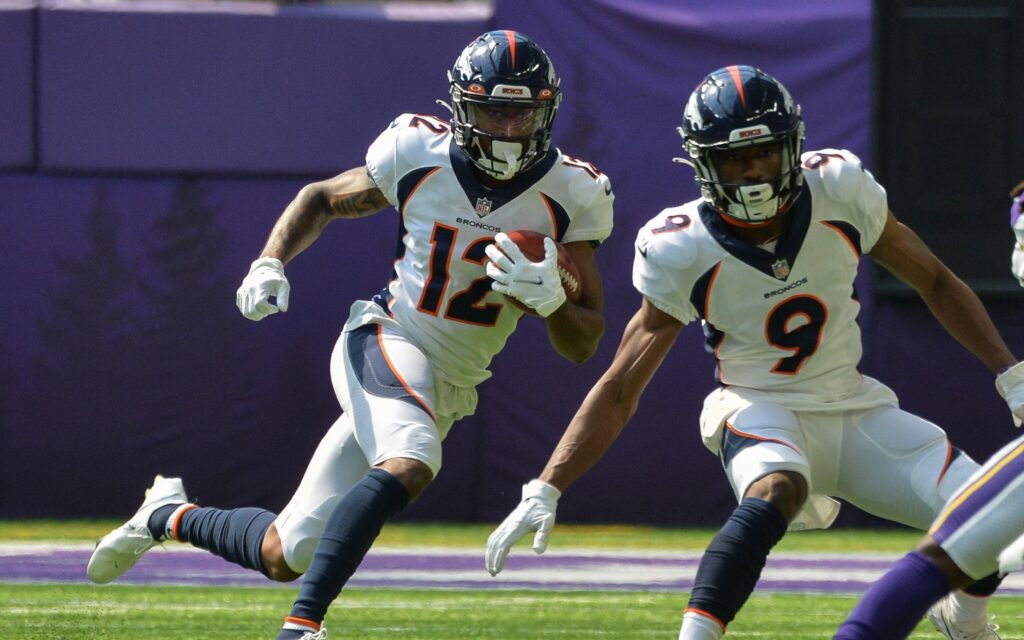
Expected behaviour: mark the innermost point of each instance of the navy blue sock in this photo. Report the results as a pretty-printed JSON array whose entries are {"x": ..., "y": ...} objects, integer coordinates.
[
  {"x": 157, "y": 522},
  {"x": 894, "y": 605},
  {"x": 732, "y": 563},
  {"x": 353, "y": 526},
  {"x": 233, "y": 534},
  {"x": 986, "y": 586}
]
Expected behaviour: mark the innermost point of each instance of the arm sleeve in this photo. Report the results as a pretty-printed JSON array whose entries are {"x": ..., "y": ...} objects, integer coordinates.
[{"x": 860, "y": 199}]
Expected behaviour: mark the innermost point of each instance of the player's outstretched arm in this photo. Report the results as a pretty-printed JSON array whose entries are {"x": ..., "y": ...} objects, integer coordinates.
[
  {"x": 575, "y": 329},
  {"x": 953, "y": 303},
  {"x": 610, "y": 404},
  {"x": 352, "y": 194}
]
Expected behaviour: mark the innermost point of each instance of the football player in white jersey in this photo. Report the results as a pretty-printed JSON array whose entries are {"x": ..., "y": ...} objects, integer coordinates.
[
  {"x": 409, "y": 358},
  {"x": 980, "y": 530},
  {"x": 766, "y": 259}
]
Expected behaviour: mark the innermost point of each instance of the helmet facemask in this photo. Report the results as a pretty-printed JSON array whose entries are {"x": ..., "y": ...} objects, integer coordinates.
[
  {"x": 504, "y": 99},
  {"x": 503, "y": 136},
  {"x": 746, "y": 202},
  {"x": 736, "y": 108}
]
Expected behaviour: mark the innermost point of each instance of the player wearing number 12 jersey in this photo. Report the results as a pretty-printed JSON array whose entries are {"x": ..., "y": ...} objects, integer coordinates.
[
  {"x": 409, "y": 359},
  {"x": 766, "y": 260}
]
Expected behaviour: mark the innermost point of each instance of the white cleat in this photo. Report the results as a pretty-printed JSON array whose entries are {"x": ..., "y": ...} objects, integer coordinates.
[
  {"x": 940, "y": 616},
  {"x": 120, "y": 549},
  {"x": 297, "y": 634}
]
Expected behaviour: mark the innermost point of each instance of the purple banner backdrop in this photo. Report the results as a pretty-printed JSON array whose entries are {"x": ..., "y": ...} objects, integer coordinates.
[
  {"x": 17, "y": 149},
  {"x": 233, "y": 87},
  {"x": 121, "y": 353}
]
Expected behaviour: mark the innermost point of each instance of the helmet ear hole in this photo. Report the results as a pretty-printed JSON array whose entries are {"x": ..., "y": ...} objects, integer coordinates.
[{"x": 504, "y": 70}]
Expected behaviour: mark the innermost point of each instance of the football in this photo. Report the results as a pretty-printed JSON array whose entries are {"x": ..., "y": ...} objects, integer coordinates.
[{"x": 531, "y": 243}]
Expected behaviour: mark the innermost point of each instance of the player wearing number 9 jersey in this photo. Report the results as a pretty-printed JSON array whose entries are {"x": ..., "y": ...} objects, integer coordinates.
[
  {"x": 408, "y": 360},
  {"x": 766, "y": 260}
]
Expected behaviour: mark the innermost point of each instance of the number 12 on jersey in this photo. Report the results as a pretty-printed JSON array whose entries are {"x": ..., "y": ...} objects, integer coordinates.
[{"x": 466, "y": 305}]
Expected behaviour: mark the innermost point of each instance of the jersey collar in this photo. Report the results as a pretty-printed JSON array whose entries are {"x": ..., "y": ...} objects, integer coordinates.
[
  {"x": 499, "y": 196},
  {"x": 777, "y": 264}
]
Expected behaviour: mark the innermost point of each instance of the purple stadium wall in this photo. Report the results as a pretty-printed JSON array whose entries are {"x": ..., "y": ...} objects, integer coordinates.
[{"x": 170, "y": 136}]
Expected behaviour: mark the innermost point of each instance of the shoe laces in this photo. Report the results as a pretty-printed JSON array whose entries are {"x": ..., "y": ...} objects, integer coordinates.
[{"x": 986, "y": 631}]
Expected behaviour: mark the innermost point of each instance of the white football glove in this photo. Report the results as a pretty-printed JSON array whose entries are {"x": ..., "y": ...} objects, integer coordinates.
[
  {"x": 1010, "y": 385},
  {"x": 1017, "y": 262},
  {"x": 535, "y": 284},
  {"x": 264, "y": 291},
  {"x": 535, "y": 513}
]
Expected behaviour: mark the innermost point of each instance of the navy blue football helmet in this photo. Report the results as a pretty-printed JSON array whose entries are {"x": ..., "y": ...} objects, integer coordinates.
[
  {"x": 504, "y": 99},
  {"x": 741, "y": 106}
]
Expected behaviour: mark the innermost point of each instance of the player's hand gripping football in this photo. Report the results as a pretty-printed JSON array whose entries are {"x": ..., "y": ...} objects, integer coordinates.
[
  {"x": 535, "y": 284},
  {"x": 264, "y": 291},
  {"x": 536, "y": 512},
  {"x": 1010, "y": 385}
]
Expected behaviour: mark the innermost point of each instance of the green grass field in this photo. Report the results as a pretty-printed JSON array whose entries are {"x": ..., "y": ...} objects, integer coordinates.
[{"x": 83, "y": 611}]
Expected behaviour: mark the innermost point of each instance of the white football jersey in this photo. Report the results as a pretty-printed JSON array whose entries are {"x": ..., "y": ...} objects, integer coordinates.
[
  {"x": 439, "y": 291},
  {"x": 781, "y": 319}
]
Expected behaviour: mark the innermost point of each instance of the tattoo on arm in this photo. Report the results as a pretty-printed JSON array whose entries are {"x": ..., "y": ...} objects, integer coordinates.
[{"x": 357, "y": 204}]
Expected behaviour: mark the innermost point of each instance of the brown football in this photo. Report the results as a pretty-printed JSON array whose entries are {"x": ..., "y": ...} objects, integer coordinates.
[{"x": 531, "y": 243}]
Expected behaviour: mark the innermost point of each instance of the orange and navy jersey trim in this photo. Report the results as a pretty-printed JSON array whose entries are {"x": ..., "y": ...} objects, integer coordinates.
[
  {"x": 847, "y": 232},
  {"x": 410, "y": 183},
  {"x": 559, "y": 216}
]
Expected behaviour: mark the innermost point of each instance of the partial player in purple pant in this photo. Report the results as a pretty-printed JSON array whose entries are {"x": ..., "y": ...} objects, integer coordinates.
[
  {"x": 979, "y": 531},
  {"x": 980, "y": 528}
]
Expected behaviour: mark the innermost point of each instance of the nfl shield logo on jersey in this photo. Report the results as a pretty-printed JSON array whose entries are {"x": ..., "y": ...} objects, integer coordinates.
[
  {"x": 483, "y": 206},
  {"x": 780, "y": 269}
]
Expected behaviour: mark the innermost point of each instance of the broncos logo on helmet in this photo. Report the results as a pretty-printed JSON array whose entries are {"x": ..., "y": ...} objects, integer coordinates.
[
  {"x": 504, "y": 99},
  {"x": 735, "y": 107}
]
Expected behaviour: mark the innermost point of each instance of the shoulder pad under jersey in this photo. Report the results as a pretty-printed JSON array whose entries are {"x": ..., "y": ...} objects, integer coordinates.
[
  {"x": 668, "y": 239},
  {"x": 587, "y": 183},
  {"x": 839, "y": 171}
]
